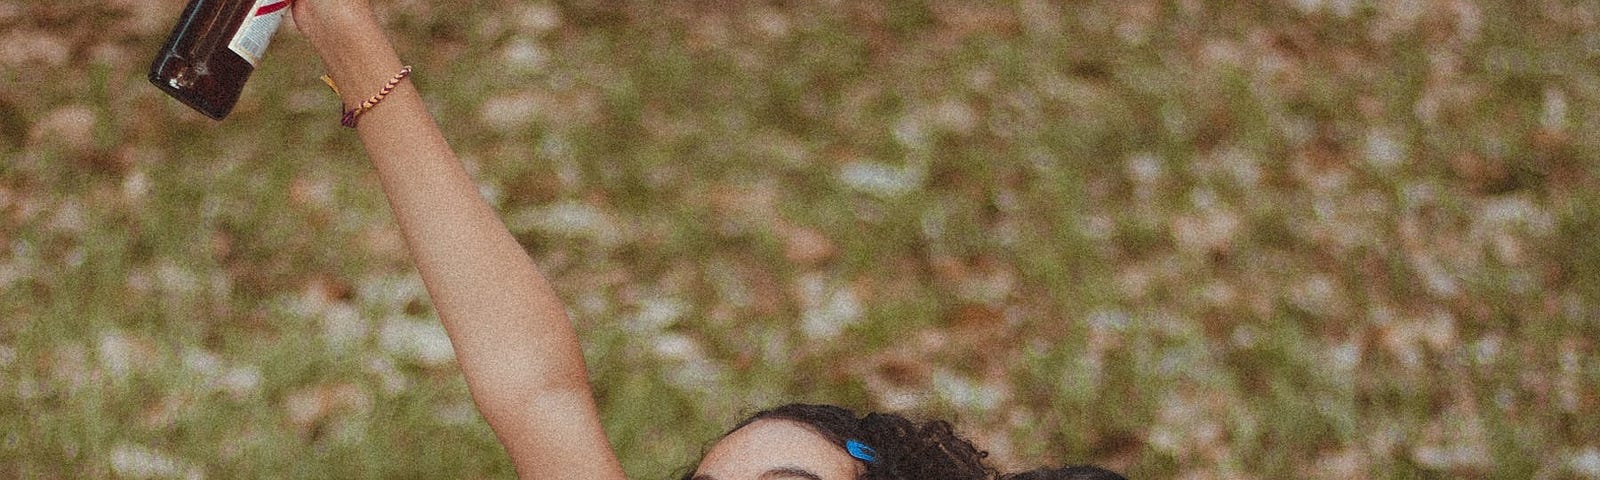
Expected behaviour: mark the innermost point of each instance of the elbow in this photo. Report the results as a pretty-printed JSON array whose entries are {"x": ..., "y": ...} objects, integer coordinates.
[{"x": 567, "y": 393}]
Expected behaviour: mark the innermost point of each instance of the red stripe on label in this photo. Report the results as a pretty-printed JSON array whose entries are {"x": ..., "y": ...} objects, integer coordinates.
[{"x": 272, "y": 8}]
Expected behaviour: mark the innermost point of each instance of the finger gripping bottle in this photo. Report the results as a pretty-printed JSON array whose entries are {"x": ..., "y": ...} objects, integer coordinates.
[{"x": 213, "y": 49}]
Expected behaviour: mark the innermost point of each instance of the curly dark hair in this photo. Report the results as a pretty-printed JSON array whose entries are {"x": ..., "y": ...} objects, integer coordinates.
[
  {"x": 1078, "y": 472},
  {"x": 905, "y": 449}
]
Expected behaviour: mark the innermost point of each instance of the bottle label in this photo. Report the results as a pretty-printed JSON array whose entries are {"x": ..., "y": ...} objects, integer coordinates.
[{"x": 260, "y": 22}]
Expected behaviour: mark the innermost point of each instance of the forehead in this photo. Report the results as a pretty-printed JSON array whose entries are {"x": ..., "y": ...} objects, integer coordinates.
[{"x": 774, "y": 449}]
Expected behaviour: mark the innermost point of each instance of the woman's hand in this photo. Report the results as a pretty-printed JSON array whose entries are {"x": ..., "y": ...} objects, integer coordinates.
[
  {"x": 325, "y": 23},
  {"x": 346, "y": 36}
]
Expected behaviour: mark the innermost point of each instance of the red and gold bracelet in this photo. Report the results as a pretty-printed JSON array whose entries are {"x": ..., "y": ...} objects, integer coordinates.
[{"x": 350, "y": 116}]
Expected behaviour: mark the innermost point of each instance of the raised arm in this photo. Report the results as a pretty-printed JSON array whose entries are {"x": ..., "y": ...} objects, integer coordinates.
[{"x": 512, "y": 338}]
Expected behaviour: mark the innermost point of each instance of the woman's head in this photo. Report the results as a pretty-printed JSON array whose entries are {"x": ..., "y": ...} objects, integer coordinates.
[
  {"x": 824, "y": 442},
  {"x": 1080, "y": 472}
]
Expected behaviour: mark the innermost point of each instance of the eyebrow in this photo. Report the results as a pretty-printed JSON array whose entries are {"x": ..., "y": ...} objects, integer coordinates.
[{"x": 779, "y": 473}]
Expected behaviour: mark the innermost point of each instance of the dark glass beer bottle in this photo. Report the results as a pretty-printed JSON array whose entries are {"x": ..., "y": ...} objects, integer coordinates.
[{"x": 213, "y": 49}]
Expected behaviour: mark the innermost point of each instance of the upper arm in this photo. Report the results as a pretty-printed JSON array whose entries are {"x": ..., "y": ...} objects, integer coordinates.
[{"x": 552, "y": 434}]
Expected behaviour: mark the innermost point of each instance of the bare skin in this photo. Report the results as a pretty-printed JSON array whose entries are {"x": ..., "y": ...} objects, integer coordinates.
[
  {"x": 512, "y": 338},
  {"x": 776, "y": 450}
]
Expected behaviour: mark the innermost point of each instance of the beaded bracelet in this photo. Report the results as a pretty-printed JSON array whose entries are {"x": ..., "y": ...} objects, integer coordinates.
[{"x": 349, "y": 118}]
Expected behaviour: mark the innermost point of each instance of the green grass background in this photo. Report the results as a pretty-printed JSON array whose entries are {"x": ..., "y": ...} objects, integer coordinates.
[{"x": 1182, "y": 239}]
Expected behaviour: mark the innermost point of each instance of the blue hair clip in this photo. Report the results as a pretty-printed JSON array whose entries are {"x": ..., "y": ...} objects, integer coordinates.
[{"x": 861, "y": 450}]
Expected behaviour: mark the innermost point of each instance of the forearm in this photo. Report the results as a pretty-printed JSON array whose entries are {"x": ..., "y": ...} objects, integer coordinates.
[{"x": 511, "y": 335}]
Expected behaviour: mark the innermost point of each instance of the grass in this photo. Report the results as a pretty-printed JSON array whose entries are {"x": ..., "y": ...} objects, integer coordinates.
[{"x": 1181, "y": 239}]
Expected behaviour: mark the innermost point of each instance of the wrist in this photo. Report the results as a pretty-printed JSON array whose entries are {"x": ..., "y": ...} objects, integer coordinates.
[{"x": 359, "y": 63}]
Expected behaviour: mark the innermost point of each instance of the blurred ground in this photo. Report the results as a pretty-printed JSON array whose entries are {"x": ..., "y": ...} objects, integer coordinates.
[{"x": 1182, "y": 239}]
